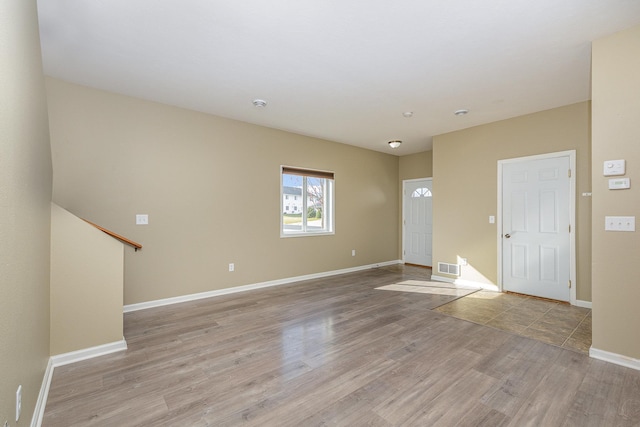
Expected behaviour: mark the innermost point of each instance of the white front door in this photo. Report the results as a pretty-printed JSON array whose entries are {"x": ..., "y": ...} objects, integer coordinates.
[
  {"x": 417, "y": 212},
  {"x": 536, "y": 257}
]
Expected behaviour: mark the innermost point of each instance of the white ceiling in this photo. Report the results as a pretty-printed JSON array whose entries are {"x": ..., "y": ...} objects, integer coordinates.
[{"x": 343, "y": 70}]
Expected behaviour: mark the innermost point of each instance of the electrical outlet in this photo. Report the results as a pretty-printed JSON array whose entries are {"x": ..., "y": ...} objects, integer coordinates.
[
  {"x": 232, "y": 267},
  {"x": 18, "y": 402},
  {"x": 353, "y": 252}
]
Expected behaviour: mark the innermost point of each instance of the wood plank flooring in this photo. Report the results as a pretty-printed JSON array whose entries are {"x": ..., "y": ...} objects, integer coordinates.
[{"x": 337, "y": 352}]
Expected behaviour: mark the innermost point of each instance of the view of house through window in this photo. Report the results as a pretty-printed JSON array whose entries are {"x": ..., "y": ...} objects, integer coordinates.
[{"x": 306, "y": 202}]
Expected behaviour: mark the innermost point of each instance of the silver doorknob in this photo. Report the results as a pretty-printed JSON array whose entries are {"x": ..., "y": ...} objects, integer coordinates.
[{"x": 507, "y": 235}]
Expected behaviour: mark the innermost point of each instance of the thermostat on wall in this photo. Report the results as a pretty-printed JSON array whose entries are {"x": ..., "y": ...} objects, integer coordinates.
[
  {"x": 613, "y": 167},
  {"x": 619, "y": 183}
]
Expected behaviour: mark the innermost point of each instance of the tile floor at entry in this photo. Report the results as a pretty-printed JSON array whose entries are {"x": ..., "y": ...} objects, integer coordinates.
[
  {"x": 552, "y": 322},
  {"x": 548, "y": 321}
]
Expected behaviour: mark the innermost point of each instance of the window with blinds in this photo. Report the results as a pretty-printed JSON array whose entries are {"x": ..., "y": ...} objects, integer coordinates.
[{"x": 306, "y": 201}]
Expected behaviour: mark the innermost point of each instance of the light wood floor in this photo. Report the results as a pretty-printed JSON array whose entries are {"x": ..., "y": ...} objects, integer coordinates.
[{"x": 337, "y": 352}]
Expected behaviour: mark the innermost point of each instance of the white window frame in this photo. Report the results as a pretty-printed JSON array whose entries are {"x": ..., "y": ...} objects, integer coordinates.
[{"x": 328, "y": 213}]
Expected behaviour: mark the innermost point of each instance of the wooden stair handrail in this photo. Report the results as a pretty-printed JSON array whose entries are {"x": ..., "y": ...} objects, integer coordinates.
[{"x": 129, "y": 242}]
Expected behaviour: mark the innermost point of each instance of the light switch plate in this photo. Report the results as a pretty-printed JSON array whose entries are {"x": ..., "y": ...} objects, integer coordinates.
[
  {"x": 142, "y": 219},
  {"x": 620, "y": 223},
  {"x": 614, "y": 167}
]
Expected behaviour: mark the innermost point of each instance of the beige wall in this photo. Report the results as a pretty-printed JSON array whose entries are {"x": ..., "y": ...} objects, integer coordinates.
[
  {"x": 211, "y": 189},
  {"x": 25, "y": 195},
  {"x": 616, "y": 135},
  {"x": 465, "y": 186},
  {"x": 87, "y": 274},
  {"x": 413, "y": 166}
]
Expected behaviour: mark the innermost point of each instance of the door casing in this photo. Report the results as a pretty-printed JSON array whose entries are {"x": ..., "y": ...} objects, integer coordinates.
[{"x": 572, "y": 214}]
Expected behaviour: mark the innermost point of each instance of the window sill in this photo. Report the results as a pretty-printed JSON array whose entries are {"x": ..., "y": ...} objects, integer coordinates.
[{"x": 319, "y": 233}]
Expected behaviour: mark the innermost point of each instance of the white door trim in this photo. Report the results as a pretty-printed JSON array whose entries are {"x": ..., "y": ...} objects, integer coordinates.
[
  {"x": 572, "y": 213},
  {"x": 404, "y": 188}
]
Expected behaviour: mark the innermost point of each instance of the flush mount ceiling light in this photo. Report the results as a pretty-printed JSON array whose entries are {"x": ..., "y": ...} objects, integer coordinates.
[
  {"x": 395, "y": 143},
  {"x": 461, "y": 112},
  {"x": 408, "y": 114},
  {"x": 259, "y": 103}
]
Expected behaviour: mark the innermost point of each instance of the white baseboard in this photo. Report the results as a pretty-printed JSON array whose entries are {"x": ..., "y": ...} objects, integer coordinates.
[
  {"x": 65, "y": 359},
  {"x": 485, "y": 286},
  {"x": 583, "y": 304},
  {"x": 209, "y": 294},
  {"x": 41, "y": 403},
  {"x": 88, "y": 353},
  {"x": 615, "y": 358}
]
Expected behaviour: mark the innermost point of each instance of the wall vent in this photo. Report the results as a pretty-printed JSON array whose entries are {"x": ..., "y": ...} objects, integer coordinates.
[{"x": 445, "y": 268}]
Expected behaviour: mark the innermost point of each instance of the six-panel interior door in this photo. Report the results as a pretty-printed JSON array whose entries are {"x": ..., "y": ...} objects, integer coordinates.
[
  {"x": 535, "y": 227},
  {"x": 418, "y": 222}
]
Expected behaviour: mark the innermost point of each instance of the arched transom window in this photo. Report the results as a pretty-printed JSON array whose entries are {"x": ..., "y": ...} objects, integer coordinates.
[{"x": 421, "y": 192}]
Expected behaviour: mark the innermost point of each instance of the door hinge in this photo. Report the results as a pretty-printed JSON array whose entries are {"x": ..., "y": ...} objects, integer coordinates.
[
  {"x": 569, "y": 173},
  {"x": 569, "y": 284},
  {"x": 569, "y": 228}
]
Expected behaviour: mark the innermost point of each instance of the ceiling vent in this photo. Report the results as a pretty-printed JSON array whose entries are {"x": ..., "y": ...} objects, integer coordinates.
[{"x": 453, "y": 269}]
